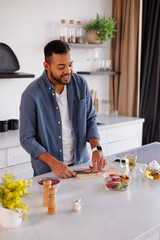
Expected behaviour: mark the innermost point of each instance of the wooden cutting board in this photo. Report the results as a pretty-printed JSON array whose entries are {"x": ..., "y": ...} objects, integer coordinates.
[{"x": 81, "y": 176}]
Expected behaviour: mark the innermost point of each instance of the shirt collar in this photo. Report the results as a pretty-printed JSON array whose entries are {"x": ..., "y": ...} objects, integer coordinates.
[{"x": 46, "y": 80}]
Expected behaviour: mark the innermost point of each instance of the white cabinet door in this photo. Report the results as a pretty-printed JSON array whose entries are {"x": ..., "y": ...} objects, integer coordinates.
[
  {"x": 17, "y": 155},
  {"x": 3, "y": 158},
  {"x": 120, "y": 138},
  {"x": 23, "y": 171},
  {"x": 124, "y": 132},
  {"x": 123, "y": 145},
  {"x": 2, "y": 172}
]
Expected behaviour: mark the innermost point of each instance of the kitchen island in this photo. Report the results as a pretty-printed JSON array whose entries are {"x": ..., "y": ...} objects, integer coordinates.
[{"x": 105, "y": 215}]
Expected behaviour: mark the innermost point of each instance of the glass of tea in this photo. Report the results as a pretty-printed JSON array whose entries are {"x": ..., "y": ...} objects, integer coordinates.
[
  {"x": 132, "y": 159},
  {"x": 128, "y": 163}
]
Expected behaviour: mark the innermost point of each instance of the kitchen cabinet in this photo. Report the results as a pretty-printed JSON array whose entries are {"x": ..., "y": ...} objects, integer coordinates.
[
  {"x": 13, "y": 158},
  {"x": 119, "y": 133}
]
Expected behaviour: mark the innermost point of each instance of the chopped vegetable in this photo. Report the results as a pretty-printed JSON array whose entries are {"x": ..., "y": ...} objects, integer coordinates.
[
  {"x": 54, "y": 182},
  {"x": 116, "y": 182}
]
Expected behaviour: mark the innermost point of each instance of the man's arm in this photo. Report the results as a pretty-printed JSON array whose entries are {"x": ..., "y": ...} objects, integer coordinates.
[
  {"x": 98, "y": 158},
  {"x": 59, "y": 168}
]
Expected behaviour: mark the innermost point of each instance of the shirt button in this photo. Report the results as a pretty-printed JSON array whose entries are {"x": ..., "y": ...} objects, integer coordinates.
[
  {"x": 49, "y": 87},
  {"x": 59, "y": 122},
  {"x": 59, "y": 136},
  {"x": 60, "y": 150},
  {"x": 53, "y": 94},
  {"x": 56, "y": 107}
]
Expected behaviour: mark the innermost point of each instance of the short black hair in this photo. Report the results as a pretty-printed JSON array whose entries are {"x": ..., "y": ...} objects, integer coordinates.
[{"x": 55, "y": 46}]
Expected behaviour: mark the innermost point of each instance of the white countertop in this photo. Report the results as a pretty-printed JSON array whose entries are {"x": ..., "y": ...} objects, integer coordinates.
[
  {"x": 110, "y": 121},
  {"x": 105, "y": 215}
]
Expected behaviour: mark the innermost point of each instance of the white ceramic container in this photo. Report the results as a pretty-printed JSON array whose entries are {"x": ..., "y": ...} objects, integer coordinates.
[{"x": 9, "y": 218}]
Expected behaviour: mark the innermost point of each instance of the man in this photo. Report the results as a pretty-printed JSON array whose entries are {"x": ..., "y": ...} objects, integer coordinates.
[{"x": 57, "y": 117}]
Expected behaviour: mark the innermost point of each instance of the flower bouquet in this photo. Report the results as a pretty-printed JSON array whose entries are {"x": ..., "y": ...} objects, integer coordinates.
[{"x": 11, "y": 193}]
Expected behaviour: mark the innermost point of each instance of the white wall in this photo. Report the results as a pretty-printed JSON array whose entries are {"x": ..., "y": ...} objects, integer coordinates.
[{"x": 27, "y": 25}]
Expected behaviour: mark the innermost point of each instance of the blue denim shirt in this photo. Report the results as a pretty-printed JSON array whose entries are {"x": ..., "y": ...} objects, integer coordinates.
[{"x": 40, "y": 120}]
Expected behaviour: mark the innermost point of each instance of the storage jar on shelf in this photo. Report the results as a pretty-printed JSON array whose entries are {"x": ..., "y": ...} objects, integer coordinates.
[
  {"x": 71, "y": 32},
  {"x": 79, "y": 32},
  {"x": 63, "y": 30}
]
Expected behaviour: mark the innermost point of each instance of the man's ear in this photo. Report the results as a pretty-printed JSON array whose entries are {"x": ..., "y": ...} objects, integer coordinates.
[{"x": 46, "y": 65}]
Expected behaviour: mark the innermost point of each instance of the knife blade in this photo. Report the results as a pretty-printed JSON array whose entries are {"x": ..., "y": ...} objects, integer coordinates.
[{"x": 84, "y": 171}]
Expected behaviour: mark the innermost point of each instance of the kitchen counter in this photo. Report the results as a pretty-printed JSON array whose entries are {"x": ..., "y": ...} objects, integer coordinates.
[
  {"x": 110, "y": 121},
  {"x": 112, "y": 215}
]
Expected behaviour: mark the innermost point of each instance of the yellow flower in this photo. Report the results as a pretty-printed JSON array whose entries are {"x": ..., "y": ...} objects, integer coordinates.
[{"x": 11, "y": 193}]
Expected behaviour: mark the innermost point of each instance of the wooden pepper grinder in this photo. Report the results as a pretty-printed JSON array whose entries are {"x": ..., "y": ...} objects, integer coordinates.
[
  {"x": 52, "y": 202},
  {"x": 46, "y": 187}
]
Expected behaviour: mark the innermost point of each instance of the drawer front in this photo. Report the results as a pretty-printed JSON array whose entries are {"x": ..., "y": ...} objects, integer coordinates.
[
  {"x": 103, "y": 134},
  {"x": 123, "y": 145},
  {"x": 17, "y": 155},
  {"x": 23, "y": 171},
  {"x": 124, "y": 132},
  {"x": 3, "y": 158},
  {"x": 2, "y": 172}
]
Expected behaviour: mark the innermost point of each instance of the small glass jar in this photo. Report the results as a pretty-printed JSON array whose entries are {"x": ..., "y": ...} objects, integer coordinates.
[
  {"x": 79, "y": 32},
  {"x": 63, "y": 31},
  {"x": 71, "y": 32},
  {"x": 107, "y": 107}
]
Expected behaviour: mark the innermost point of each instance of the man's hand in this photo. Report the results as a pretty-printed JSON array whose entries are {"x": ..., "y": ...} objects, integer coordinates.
[
  {"x": 59, "y": 168},
  {"x": 99, "y": 161}
]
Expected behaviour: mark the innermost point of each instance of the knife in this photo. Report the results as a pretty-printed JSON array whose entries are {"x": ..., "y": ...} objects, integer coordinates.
[{"x": 86, "y": 171}]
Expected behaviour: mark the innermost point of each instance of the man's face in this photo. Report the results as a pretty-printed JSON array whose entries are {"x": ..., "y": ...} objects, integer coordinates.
[{"x": 59, "y": 68}]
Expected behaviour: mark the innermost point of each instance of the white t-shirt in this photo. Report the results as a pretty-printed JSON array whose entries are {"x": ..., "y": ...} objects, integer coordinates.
[{"x": 67, "y": 132}]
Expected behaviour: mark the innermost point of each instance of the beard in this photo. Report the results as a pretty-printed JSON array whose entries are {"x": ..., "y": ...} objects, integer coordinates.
[{"x": 59, "y": 80}]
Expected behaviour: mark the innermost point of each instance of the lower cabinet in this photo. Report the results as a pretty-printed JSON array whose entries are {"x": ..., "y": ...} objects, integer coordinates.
[
  {"x": 23, "y": 170},
  {"x": 17, "y": 155},
  {"x": 2, "y": 172},
  {"x": 3, "y": 158},
  {"x": 15, "y": 160},
  {"x": 120, "y": 137}
]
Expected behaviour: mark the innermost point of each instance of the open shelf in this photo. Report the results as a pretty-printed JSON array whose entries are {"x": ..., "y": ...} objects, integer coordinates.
[
  {"x": 98, "y": 73},
  {"x": 16, "y": 75},
  {"x": 86, "y": 45}
]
